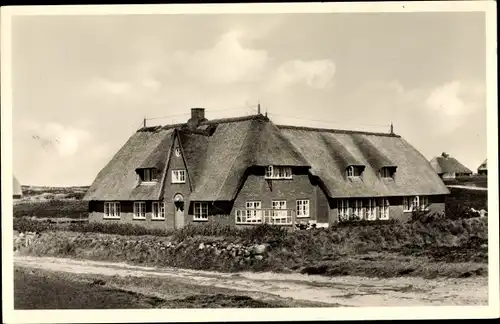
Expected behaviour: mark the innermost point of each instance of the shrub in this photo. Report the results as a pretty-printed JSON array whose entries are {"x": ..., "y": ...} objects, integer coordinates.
[{"x": 52, "y": 209}]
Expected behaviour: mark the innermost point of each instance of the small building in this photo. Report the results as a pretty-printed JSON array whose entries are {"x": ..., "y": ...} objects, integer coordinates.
[
  {"x": 449, "y": 168},
  {"x": 483, "y": 168},
  {"x": 247, "y": 170},
  {"x": 17, "y": 189}
]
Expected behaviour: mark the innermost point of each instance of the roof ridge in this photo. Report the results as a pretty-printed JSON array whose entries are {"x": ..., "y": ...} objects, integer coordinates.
[
  {"x": 333, "y": 130},
  {"x": 206, "y": 122}
]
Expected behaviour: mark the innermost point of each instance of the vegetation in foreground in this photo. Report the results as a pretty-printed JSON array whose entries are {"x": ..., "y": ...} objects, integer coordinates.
[{"x": 435, "y": 248}]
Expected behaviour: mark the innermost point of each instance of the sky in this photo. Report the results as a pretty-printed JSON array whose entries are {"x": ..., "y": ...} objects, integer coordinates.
[{"x": 83, "y": 84}]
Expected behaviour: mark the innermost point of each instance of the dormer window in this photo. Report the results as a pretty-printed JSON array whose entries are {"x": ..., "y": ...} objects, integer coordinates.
[
  {"x": 387, "y": 172},
  {"x": 148, "y": 175},
  {"x": 278, "y": 172},
  {"x": 354, "y": 171}
]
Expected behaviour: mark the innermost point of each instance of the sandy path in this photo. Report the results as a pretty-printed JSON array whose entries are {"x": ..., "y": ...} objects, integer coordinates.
[
  {"x": 346, "y": 290},
  {"x": 468, "y": 187}
]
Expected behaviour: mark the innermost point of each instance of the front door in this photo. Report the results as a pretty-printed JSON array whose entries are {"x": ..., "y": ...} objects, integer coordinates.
[{"x": 179, "y": 210}]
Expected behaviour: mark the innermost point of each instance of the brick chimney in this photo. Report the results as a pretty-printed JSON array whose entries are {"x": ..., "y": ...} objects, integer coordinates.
[{"x": 197, "y": 116}]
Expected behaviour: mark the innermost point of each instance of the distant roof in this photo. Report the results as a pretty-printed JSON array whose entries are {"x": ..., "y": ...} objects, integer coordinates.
[
  {"x": 219, "y": 152},
  {"x": 447, "y": 164},
  {"x": 483, "y": 166},
  {"x": 17, "y": 189}
]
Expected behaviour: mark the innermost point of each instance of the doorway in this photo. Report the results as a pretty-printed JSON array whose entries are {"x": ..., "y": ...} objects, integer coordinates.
[{"x": 179, "y": 211}]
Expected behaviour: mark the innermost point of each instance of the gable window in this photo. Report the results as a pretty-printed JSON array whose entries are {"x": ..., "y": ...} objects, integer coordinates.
[
  {"x": 112, "y": 210},
  {"x": 177, "y": 151},
  {"x": 343, "y": 209},
  {"x": 158, "y": 210},
  {"x": 278, "y": 172},
  {"x": 354, "y": 171},
  {"x": 358, "y": 208},
  {"x": 302, "y": 208},
  {"x": 387, "y": 172},
  {"x": 384, "y": 208},
  {"x": 148, "y": 175},
  {"x": 371, "y": 209},
  {"x": 178, "y": 176},
  {"x": 200, "y": 211},
  {"x": 139, "y": 210}
]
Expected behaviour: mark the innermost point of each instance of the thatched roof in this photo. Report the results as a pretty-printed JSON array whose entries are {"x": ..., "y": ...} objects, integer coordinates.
[
  {"x": 17, "y": 189},
  {"x": 447, "y": 164},
  {"x": 483, "y": 166},
  {"x": 330, "y": 151},
  {"x": 219, "y": 152}
]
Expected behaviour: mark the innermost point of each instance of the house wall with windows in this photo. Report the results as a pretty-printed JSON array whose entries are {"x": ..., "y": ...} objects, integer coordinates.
[
  {"x": 176, "y": 182},
  {"x": 298, "y": 190},
  {"x": 98, "y": 212},
  {"x": 400, "y": 208}
]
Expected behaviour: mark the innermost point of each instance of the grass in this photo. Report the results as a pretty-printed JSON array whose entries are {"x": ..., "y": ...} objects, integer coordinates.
[
  {"x": 43, "y": 289},
  {"x": 52, "y": 209}
]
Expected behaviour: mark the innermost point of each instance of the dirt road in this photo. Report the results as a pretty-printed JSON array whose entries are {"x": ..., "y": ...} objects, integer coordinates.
[
  {"x": 468, "y": 187},
  {"x": 345, "y": 291}
]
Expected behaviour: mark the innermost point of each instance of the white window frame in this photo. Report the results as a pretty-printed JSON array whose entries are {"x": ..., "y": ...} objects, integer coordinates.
[
  {"x": 177, "y": 151},
  {"x": 139, "y": 210},
  {"x": 178, "y": 176},
  {"x": 350, "y": 171},
  {"x": 423, "y": 203},
  {"x": 253, "y": 210},
  {"x": 384, "y": 208},
  {"x": 343, "y": 209},
  {"x": 158, "y": 210},
  {"x": 303, "y": 207},
  {"x": 358, "y": 209},
  {"x": 371, "y": 209},
  {"x": 278, "y": 172},
  {"x": 200, "y": 211},
  {"x": 112, "y": 210},
  {"x": 277, "y": 206}
]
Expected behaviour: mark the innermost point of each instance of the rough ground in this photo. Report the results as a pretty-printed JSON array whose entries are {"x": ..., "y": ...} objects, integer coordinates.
[{"x": 295, "y": 290}]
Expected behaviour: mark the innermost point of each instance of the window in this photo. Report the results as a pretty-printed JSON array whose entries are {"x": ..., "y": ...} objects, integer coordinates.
[
  {"x": 178, "y": 176},
  {"x": 387, "y": 172},
  {"x": 371, "y": 209},
  {"x": 278, "y": 172},
  {"x": 358, "y": 208},
  {"x": 158, "y": 210},
  {"x": 279, "y": 204},
  {"x": 200, "y": 211},
  {"x": 354, "y": 171},
  {"x": 148, "y": 175},
  {"x": 415, "y": 203},
  {"x": 252, "y": 210},
  {"x": 302, "y": 208},
  {"x": 177, "y": 151},
  {"x": 384, "y": 208},
  {"x": 112, "y": 210},
  {"x": 343, "y": 209},
  {"x": 139, "y": 210},
  {"x": 424, "y": 203}
]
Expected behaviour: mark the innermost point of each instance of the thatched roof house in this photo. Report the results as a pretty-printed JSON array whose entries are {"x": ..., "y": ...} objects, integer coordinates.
[
  {"x": 448, "y": 167},
  {"x": 228, "y": 163},
  {"x": 483, "y": 168},
  {"x": 17, "y": 190}
]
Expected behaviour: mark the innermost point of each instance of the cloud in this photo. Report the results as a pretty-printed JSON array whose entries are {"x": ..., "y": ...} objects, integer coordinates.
[
  {"x": 63, "y": 140},
  {"x": 316, "y": 74},
  {"x": 227, "y": 62},
  {"x": 445, "y": 99}
]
